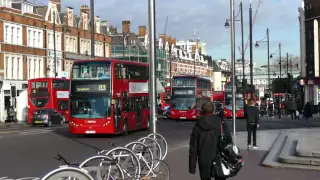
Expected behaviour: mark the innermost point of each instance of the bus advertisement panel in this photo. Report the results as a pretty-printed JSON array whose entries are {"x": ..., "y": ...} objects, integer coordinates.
[
  {"x": 228, "y": 102},
  {"x": 109, "y": 97},
  {"x": 48, "y": 93},
  {"x": 188, "y": 95}
]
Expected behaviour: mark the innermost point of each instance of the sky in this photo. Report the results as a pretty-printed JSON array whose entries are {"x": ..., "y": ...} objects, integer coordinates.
[{"x": 208, "y": 18}]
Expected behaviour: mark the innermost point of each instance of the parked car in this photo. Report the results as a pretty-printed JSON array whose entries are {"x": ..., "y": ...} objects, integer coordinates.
[{"x": 47, "y": 117}]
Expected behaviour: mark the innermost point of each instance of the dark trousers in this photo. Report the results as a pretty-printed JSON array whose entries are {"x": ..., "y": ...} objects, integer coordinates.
[
  {"x": 293, "y": 114},
  {"x": 252, "y": 129},
  {"x": 215, "y": 178}
]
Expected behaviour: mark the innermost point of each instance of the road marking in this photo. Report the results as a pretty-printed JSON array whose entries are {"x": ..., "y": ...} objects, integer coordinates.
[
  {"x": 7, "y": 132},
  {"x": 39, "y": 131}
]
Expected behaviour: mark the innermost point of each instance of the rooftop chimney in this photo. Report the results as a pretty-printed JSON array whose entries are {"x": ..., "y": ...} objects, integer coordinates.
[
  {"x": 58, "y": 4},
  {"x": 85, "y": 9},
  {"x": 142, "y": 30},
  {"x": 125, "y": 27}
]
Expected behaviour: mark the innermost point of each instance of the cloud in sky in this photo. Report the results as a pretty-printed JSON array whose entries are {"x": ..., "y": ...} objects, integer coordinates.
[{"x": 208, "y": 17}]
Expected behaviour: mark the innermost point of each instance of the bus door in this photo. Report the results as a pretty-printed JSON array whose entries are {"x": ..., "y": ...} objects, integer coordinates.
[
  {"x": 117, "y": 114},
  {"x": 139, "y": 112}
]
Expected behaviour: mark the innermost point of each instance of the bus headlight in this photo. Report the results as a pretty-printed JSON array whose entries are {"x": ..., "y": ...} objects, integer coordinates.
[
  {"x": 106, "y": 124},
  {"x": 73, "y": 124}
]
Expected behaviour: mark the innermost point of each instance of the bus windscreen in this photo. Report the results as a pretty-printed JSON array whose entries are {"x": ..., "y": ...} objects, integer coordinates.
[{"x": 91, "y": 70}]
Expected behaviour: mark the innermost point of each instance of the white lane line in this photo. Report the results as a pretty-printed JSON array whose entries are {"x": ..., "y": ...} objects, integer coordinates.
[{"x": 25, "y": 133}]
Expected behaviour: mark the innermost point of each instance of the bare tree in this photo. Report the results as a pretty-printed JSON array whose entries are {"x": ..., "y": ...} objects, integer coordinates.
[{"x": 293, "y": 62}]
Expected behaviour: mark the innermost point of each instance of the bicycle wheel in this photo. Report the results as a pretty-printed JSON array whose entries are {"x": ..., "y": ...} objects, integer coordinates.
[
  {"x": 128, "y": 161},
  {"x": 144, "y": 154},
  {"x": 153, "y": 145},
  {"x": 102, "y": 167},
  {"x": 160, "y": 172},
  {"x": 162, "y": 142},
  {"x": 68, "y": 173}
]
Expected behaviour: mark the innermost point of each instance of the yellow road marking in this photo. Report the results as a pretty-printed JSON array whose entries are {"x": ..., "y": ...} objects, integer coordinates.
[{"x": 7, "y": 132}]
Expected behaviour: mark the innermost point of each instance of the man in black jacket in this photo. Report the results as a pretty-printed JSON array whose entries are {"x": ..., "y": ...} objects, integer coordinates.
[
  {"x": 253, "y": 122},
  {"x": 204, "y": 142}
]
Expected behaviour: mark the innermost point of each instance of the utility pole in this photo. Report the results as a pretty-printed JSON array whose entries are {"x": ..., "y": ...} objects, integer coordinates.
[
  {"x": 242, "y": 56},
  {"x": 280, "y": 58},
  {"x": 251, "y": 52},
  {"x": 152, "y": 61},
  {"x": 194, "y": 61},
  {"x": 92, "y": 28},
  {"x": 233, "y": 70},
  {"x": 268, "y": 47},
  {"x": 287, "y": 63},
  {"x": 54, "y": 44}
]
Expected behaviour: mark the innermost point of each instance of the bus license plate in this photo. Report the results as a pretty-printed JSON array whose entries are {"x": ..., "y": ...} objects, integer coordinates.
[
  {"x": 183, "y": 118},
  {"x": 90, "y": 132},
  {"x": 38, "y": 122}
]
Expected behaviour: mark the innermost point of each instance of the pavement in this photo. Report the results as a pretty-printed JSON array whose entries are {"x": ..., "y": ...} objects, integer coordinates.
[{"x": 28, "y": 151}]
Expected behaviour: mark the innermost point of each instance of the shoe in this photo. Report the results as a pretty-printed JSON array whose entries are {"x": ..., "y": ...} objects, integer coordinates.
[
  {"x": 255, "y": 147},
  {"x": 249, "y": 146}
]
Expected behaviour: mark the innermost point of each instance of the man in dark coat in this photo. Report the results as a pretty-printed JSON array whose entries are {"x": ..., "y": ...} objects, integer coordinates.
[
  {"x": 204, "y": 142},
  {"x": 253, "y": 122}
]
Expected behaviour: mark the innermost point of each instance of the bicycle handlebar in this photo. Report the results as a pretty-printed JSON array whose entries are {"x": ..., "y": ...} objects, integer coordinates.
[{"x": 64, "y": 161}]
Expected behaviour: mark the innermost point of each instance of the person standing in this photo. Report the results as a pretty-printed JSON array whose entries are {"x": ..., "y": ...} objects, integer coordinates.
[
  {"x": 204, "y": 142},
  {"x": 253, "y": 122},
  {"x": 307, "y": 113},
  {"x": 293, "y": 109}
]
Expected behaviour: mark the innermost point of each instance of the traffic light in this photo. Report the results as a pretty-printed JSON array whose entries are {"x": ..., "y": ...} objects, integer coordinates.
[{"x": 13, "y": 91}]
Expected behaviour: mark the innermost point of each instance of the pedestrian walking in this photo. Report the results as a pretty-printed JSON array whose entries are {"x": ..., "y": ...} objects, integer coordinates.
[
  {"x": 204, "y": 142},
  {"x": 253, "y": 122},
  {"x": 293, "y": 109},
  {"x": 307, "y": 113}
]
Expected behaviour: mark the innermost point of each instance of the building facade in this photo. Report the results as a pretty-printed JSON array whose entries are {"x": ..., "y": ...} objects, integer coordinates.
[
  {"x": 309, "y": 16},
  {"x": 171, "y": 60},
  {"x": 27, "y": 45}
]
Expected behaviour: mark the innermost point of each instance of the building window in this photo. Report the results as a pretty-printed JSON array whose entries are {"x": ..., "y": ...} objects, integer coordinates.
[
  {"x": 12, "y": 33},
  {"x": 6, "y": 65}
]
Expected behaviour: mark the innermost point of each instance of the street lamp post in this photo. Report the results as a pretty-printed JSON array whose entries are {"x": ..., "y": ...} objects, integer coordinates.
[
  {"x": 251, "y": 51},
  {"x": 152, "y": 59},
  {"x": 268, "y": 55},
  {"x": 271, "y": 56},
  {"x": 92, "y": 28},
  {"x": 233, "y": 70},
  {"x": 54, "y": 45}
]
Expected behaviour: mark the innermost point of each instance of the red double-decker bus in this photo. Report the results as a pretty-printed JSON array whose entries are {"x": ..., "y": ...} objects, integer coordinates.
[
  {"x": 108, "y": 97},
  {"x": 218, "y": 96},
  {"x": 188, "y": 95},
  {"x": 50, "y": 93},
  {"x": 165, "y": 98},
  {"x": 228, "y": 102}
]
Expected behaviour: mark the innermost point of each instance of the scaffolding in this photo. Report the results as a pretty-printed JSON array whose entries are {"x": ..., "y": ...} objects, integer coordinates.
[{"x": 138, "y": 54}]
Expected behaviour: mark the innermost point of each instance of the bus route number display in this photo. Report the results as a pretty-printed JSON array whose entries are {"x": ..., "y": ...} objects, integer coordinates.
[
  {"x": 183, "y": 92},
  {"x": 91, "y": 88}
]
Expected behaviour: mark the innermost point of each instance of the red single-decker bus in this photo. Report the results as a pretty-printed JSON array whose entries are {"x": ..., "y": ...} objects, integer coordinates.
[
  {"x": 109, "y": 96},
  {"x": 188, "y": 95},
  {"x": 50, "y": 93}
]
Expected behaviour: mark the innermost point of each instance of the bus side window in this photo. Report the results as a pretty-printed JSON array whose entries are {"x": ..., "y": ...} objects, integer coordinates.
[{"x": 118, "y": 71}]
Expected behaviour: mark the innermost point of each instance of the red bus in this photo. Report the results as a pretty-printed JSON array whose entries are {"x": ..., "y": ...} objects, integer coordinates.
[
  {"x": 228, "y": 102},
  {"x": 165, "y": 98},
  {"x": 50, "y": 93},
  {"x": 218, "y": 96},
  {"x": 109, "y": 97},
  {"x": 188, "y": 95}
]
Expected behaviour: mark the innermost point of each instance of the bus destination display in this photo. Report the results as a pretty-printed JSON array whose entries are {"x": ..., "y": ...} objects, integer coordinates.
[
  {"x": 183, "y": 92},
  {"x": 89, "y": 88}
]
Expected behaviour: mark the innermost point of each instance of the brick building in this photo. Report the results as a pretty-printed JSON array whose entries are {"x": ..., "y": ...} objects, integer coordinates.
[{"x": 27, "y": 44}]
